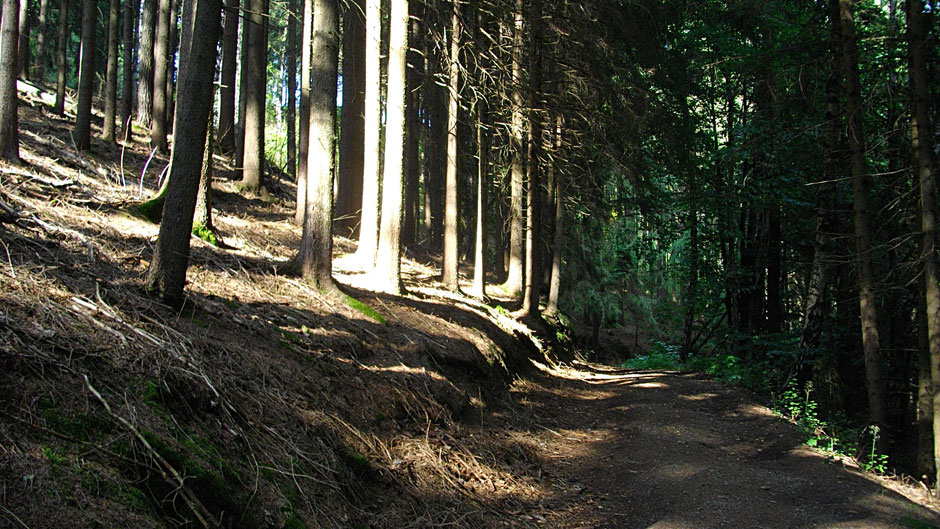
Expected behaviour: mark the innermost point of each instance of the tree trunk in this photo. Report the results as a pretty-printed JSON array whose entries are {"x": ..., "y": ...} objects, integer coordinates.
[
  {"x": 388, "y": 258},
  {"x": 314, "y": 259},
  {"x": 255, "y": 71},
  {"x": 127, "y": 95},
  {"x": 167, "y": 271},
  {"x": 202, "y": 218},
  {"x": 291, "y": 103},
  {"x": 39, "y": 61},
  {"x": 923, "y": 163},
  {"x": 412, "y": 133},
  {"x": 9, "y": 102},
  {"x": 23, "y": 46},
  {"x": 555, "y": 280},
  {"x": 61, "y": 67},
  {"x": 513, "y": 284},
  {"x": 161, "y": 51},
  {"x": 691, "y": 293},
  {"x": 352, "y": 129},
  {"x": 172, "y": 45},
  {"x": 450, "y": 262},
  {"x": 145, "y": 59},
  {"x": 368, "y": 231},
  {"x": 479, "y": 256},
  {"x": 303, "y": 135},
  {"x": 82, "y": 131},
  {"x": 856, "y": 134},
  {"x": 814, "y": 312},
  {"x": 226, "y": 128},
  {"x": 110, "y": 97},
  {"x": 533, "y": 242}
]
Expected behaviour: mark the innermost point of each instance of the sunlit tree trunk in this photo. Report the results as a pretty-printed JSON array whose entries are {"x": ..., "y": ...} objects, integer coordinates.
[
  {"x": 167, "y": 272},
  {"x": 856, "y": 135},
  {"x": 449, "y": 272},
  {"x": 479, "y": 256},
  {"x": 111, "y": 75},
  {"x": 352, "y": 129},
  {"x": 303, "y": 134},
  {"x": 513, "y": 284},
  {"x": 127, "y": 94},
  {"x": 148, "y": 17},
  {"x": 161, "y": 51},
  {"x": 9, "y": 120},
  {"x": 388, "y": 259},
  {"x": 255, "y": 72},
  {"x": 82, "y": 129},
  {"x": 554, "y": 283},
  {"x": 291, "y": 103},
  {"x": 314, "y": 260},
  {"x": 369, "y": 229},
  {"x": 533, "y": 241}
]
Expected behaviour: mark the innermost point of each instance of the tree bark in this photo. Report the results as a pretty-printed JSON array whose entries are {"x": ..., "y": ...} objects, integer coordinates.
[
  {"x": 167, "y": 271},
  {"x": 61, "y": 67},
  {"x": 314, "y": 259},
  {"x": 554, "y": 283},
  {"x": 110, "y": 97},
  {"x": 514, "y": 281},
  {"x": 127, "y": 95},
  {"x": 23, "y": 46},
  {"x": 172, "y": 45},
  {"x": 39, "y": 60},
  {"x": 145, "y": 59},
  {"x": 9, "y": 101},
  {"x": 291, "y": 103},
  {"x": 478, "y": 289},
  {"x": 814, "y": 312},
  {"x": 82, "y": 130},
  {"x": 412, "y": 133},
  {"x": 303, "y": 136},
  {"x": 388, "y": 257},
  {"x": 856, "y": 134},
  {"x": 352, "y": 129},
  {"x": 255, "y": 71},
  {"x": 368, "y": 231},
  {"x": 161, "y": 51},
  {"x": 923, "y": 163},
  {"x": 533, "y": 243},
  {"x": 226, "y": 128},
  {"x": 450, "y": 269}
]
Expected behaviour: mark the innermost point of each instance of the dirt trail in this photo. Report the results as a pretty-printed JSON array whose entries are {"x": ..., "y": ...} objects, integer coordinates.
[{"x": 665, "y": 450}]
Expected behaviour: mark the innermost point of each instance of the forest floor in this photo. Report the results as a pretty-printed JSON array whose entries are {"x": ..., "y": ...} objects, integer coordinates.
[{"x": 264, "y": 403}]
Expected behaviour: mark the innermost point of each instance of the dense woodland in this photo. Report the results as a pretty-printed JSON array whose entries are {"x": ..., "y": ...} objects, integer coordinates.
[{"x": 741, "y": 183}]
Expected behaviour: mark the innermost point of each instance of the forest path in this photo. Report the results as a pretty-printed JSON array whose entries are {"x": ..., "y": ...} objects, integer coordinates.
[{"x": 667, "y": 450}]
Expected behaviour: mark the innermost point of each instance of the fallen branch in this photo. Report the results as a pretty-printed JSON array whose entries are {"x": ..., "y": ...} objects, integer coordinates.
[{"x": 166, "y": 470}]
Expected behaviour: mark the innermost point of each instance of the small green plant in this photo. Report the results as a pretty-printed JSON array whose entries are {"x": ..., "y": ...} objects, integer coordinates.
[
  {"x": 662, "y": 357},
  {"x": 204, "y": 233},
  {"x": 363, "y": 308},
  {"x": 877, "y": 463}
]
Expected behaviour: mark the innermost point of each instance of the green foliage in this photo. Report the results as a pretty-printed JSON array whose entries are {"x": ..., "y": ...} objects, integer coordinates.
[
  {"x": 664, "y": 357},
  {"x": 876, "y": 462},
  {"x": 204, "y": 233},
  {"x": 363, "y": 308}
]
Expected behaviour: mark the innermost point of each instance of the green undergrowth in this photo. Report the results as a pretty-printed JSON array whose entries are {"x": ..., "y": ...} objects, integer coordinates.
[
  {"x": 205, "y": 233},
  {"x": 363, "y": 308}
]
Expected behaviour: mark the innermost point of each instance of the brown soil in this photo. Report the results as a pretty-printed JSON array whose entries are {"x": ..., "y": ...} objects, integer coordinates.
[
  {"x": 668, "y": 450},
  {"x": 265, "y": 404}
]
